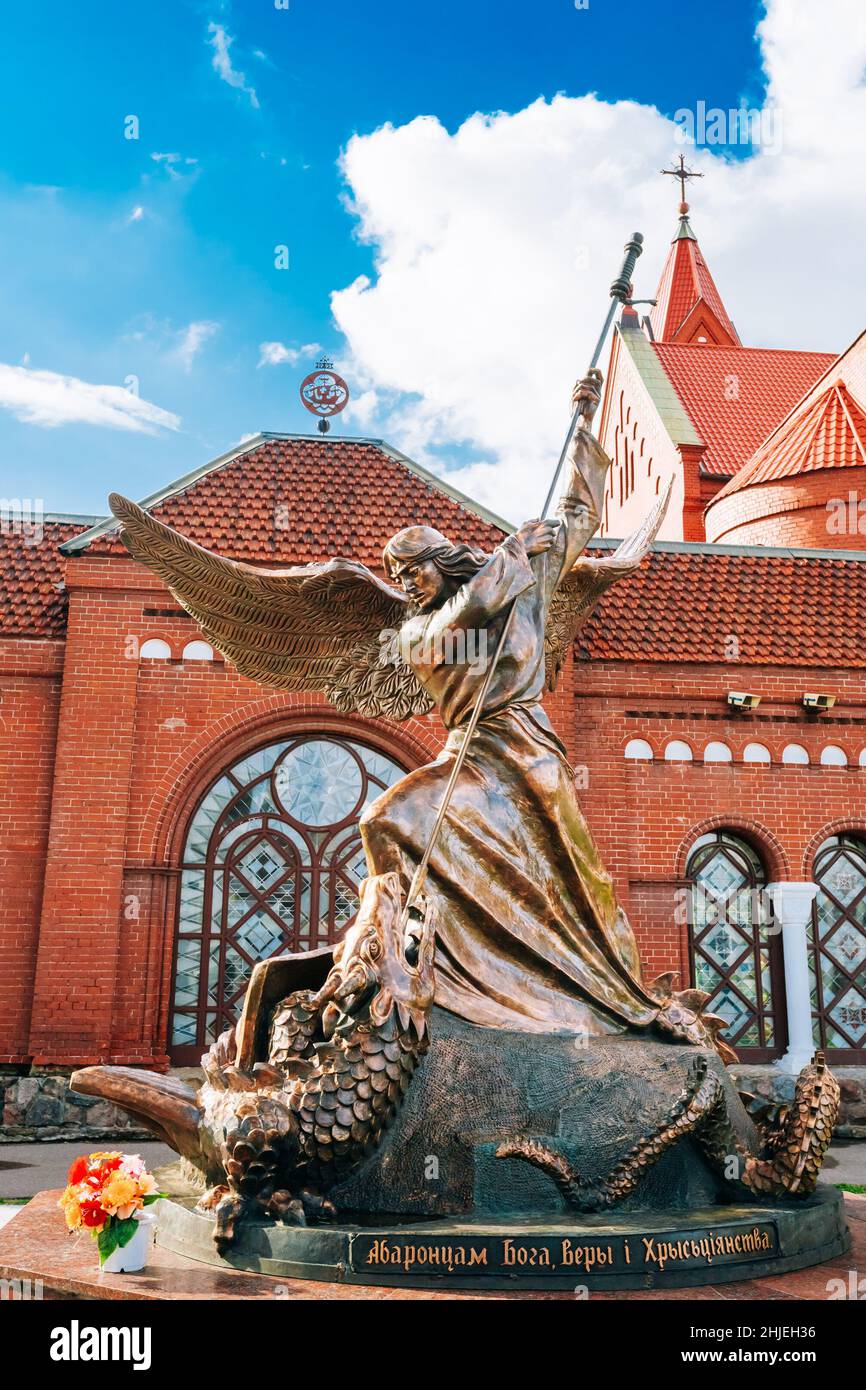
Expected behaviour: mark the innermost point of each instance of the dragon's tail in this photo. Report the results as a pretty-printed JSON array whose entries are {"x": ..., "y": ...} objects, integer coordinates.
[
  {"x": 162, "y": 1104},
  {"x": 698, "y": 1098}
]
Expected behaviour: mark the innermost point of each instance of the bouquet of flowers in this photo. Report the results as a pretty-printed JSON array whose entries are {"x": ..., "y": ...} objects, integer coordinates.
[{"x": 104, "y": 1192}]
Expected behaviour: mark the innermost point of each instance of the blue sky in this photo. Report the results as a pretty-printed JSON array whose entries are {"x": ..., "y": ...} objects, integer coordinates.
[{"x": 120, "y": 265}]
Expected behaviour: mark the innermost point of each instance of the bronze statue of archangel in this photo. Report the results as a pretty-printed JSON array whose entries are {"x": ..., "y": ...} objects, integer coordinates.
[
  {"x": 519, "y": 928},
  {"x": 529, "y": 933}
]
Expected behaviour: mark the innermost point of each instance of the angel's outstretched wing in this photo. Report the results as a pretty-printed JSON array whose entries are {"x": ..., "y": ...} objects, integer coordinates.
[
  {"x": 586, "y": 581},
  {"x": 312, "y": 627}
]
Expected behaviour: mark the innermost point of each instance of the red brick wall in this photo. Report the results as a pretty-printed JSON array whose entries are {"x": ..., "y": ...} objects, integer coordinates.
[
  {"x": 803, "y": 512},
  {"x": 647, "y": 815},
  {"x": 30, "y": 674},
  {"x": 139, "y": 741}
]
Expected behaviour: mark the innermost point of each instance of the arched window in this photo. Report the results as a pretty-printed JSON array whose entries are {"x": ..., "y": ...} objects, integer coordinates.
[
  {"x": 271, "y": 864},
  {"x": 733, "y": 956},
  {"x": 756, "y": 753},
  {"x": 833, "y": 756},
  {"x": 154, "y": 649},
  {"x": 717, "y": 753},
  {"x": 638, "y": 748},
  {"x": 838, "y": 957},
  {"x": 197, "y": 651},
  {"x": 678, "y": 751},
  {"x": 795, "y": 753}
]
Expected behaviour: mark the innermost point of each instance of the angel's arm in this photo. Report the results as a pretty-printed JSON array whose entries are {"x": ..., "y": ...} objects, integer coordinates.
[
  {"x": 505, "y": 576},
  {"x": 581, "y": 502},
  {"x": 583, "y": 585},
  {"x": 580, "y": 506}
]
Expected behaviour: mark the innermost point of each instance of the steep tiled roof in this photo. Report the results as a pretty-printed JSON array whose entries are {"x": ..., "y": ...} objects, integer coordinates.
[
  {"x": 791, "y": 609},
  {"x": 32, "y": 594},
  {"x": 828, "y": 433},
  {"x": 292, "y": 499},
  {"x": 685, "y": 287},
  {"x": 736, "y": 396}
]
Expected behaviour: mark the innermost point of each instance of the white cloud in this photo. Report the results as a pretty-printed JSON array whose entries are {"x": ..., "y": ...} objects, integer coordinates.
[
  {"x": 363, "y": 408},
  {"x": 177, "y": 166},
  {"x": 137, "y": 213},
  {"x": 221, "y": 42},
  {"x": 274, "y": 354},
  {"x": 191, "y": 340},
  {"x": 496, "y": 245},
  {"x": 50, "y": 399}
]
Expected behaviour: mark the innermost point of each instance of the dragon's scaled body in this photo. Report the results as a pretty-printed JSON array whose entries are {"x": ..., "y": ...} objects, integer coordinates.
[
  {"x": 794, "y": 1140},
  {"x": 340, "y": 1061}
]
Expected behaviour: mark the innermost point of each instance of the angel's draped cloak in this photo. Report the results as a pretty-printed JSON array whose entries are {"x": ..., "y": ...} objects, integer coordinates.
[{"x": 529, "y": 932}]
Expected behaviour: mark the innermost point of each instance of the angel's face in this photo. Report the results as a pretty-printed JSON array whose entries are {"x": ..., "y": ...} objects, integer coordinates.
[{"x": 425, "y": 584}]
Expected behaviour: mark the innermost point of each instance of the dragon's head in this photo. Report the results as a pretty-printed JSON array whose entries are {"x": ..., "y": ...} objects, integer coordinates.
[{"x": 383, "y": 962}]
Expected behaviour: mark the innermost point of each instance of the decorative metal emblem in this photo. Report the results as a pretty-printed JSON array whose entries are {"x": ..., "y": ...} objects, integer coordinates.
[{"x": 324, "y": 392}]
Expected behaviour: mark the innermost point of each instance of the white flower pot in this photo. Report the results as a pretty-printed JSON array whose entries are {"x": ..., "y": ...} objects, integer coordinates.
[{"x": 136, "y": 1253}]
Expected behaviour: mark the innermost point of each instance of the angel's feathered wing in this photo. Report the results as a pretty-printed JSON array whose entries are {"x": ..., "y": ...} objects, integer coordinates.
[
  {"x": 310, "y": 627},
  {"x": 586, "y": 581}
]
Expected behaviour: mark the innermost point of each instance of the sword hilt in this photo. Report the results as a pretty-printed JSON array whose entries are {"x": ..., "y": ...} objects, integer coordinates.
[{"x": 621, "y": 285}]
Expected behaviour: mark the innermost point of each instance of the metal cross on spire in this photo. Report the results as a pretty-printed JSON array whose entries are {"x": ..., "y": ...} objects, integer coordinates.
[{"x": 683, "y": 174}]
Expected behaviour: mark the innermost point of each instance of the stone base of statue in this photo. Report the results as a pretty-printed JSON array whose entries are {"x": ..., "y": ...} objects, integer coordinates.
[
  {"x": 639, "y": 1250},
  {"x": 434, "y": 1204}
]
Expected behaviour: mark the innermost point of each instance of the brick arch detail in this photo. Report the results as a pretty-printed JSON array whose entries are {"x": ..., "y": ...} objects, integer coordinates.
[
  {"x": 655, "y": 744},
  {"x": 155, "y": 634},
  {"x": 775, "y": 858},
  {"x": 229, "y": 737},
  {"x": 845, "y": 825}
]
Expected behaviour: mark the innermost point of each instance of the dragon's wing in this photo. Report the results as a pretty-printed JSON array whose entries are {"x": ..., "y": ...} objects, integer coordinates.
[
  {"x": 586, "y": 581},
  {"x": 312, "y": 627}
]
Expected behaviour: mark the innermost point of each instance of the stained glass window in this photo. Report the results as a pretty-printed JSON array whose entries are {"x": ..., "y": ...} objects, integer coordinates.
[
  {"x": 272, "y": 863},
  {"x": 837, "y": 960},
  {"x": 736, "y": 953}
]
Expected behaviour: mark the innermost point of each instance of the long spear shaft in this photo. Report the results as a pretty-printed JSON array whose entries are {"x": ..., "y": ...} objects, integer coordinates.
[{"x": 619, "y": 292}]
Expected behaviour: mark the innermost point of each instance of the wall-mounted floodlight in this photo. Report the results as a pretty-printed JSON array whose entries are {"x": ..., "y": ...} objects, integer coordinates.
[
  {"x": 815, "y": 701},
  {"x": 741, "y": 699}
]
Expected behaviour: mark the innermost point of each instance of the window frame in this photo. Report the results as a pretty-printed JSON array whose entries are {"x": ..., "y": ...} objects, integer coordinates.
[
  {"x": 744, "y": 855},
  {"x": 318, "y": 860},
  {"x": 845, "y": 842}
]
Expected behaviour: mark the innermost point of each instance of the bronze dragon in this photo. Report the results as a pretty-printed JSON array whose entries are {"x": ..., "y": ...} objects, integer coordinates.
[{"x": 276, "y": 1136}]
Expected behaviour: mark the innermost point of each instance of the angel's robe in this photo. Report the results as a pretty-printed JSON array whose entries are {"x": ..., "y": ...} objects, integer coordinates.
[{"x": 529, "y": 934}]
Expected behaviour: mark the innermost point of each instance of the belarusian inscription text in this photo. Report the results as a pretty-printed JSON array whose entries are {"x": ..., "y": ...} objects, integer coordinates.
[{"x": 413, "y": 1255}]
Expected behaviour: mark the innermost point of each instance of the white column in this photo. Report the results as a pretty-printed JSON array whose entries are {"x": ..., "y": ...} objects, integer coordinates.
[{"x": 792, "y": 905}]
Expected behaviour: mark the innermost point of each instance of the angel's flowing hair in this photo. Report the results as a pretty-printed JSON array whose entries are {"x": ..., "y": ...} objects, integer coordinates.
[{"x": 459, "y": 562}]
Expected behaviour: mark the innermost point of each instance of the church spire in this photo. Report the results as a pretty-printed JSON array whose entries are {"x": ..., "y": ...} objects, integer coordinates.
[{"x": 689, "y": 308}]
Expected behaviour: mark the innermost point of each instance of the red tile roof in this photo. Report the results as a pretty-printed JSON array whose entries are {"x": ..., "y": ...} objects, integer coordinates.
[
  {"x": 791, "y": 610},
  {"x": 347, "y": 497},
  {"x": 290, "y": 500},
  {"x": 685, "y": 283},
  {"x": 736, "y": 396},
  {"x": 32, "y": 596},
  {"x": 828, "y": 433}
]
